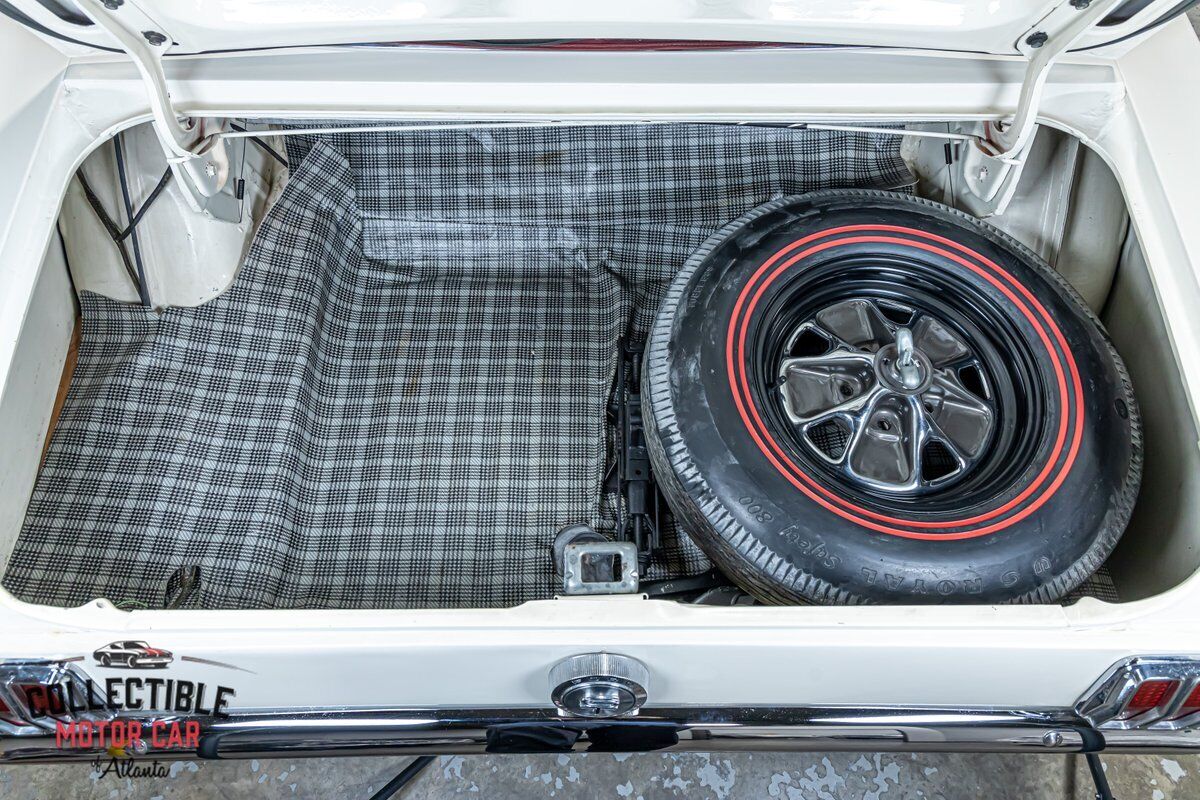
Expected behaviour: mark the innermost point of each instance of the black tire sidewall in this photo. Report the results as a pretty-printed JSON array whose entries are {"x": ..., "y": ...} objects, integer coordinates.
[{"x": 783, "y": 546}]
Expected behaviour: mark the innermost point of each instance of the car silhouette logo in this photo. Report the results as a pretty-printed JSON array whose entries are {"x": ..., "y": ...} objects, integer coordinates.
[{"x": 132, "y": 655}]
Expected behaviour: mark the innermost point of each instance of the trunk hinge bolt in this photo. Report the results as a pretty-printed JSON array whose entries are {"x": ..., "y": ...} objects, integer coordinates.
[
  {"x": 189, "y": 143},
  {"x": 1006, "y": 148}
]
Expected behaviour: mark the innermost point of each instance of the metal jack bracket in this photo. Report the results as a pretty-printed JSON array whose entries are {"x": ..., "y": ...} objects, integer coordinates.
[
  {"x": 581, "y": 560},
  {"x": 992, "y": 168},
  {"x": 197, "y": 156}
]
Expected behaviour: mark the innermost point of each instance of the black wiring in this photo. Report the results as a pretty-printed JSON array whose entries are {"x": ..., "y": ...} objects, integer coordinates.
[
  {"x": 119, "y": 235},
  {"x": 1173, "y": 12},
  {"x": 17, "y": 16},
  {"x": 407, "y": 775},
  {"x": 1096, "y": 767},
  {"x": 162, "y": 184},
  {"x": 119, "y": 149},
  {"x": 265, "y": 147},
  {"x": 109, "y": 226}
]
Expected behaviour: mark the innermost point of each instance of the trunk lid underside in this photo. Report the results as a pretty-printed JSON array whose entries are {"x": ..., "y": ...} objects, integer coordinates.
[{"x": 971, "y": 26}]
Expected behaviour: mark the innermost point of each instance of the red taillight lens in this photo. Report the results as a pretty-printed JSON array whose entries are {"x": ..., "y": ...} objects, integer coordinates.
[
  {"x": 1191, "y": 703},
  {"x": 1150, "y": 695}
]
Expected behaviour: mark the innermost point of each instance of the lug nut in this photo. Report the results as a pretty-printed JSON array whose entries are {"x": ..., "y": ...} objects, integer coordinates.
[
  {"x": 154, "y": 37},
  {"x": 1037, "y": 39},
  {"x": 113, "y": 5}
]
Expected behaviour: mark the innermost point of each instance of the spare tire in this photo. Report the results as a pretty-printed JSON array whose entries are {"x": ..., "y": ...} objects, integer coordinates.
[{"x": 859, "y": 396}]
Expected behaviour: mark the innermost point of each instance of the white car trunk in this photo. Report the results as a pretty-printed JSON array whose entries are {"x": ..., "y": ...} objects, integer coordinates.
[
  {"x": 1109, "y": 204},
  {"x": 400, "y": 394}
]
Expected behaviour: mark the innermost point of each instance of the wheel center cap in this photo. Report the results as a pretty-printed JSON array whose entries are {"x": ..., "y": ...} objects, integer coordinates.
[{"x": 901, "y": 366}]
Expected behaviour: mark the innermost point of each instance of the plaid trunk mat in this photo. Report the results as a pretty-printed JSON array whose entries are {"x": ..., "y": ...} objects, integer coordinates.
[{"x": 403, "y": 395}]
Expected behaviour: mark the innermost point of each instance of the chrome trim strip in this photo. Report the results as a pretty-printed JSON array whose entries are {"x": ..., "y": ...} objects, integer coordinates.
[
  {"x": 418, "y": 731},
  {"x": 1152, "y": 741}
]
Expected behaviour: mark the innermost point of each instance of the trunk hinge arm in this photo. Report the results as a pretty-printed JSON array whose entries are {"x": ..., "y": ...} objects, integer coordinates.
[
  {"x": 1042, "y": 45},
  {"x": 993, "y": 167},
  {"x": 196, "y": 155}
]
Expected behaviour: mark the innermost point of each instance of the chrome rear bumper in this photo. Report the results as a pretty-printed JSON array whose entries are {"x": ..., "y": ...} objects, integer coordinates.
[{"x": 415, "y": 731}]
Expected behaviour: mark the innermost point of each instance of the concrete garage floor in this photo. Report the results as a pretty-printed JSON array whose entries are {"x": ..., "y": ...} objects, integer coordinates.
[
  {"x": 744, "y": 776},
  {"x": 701, "y": 776}
]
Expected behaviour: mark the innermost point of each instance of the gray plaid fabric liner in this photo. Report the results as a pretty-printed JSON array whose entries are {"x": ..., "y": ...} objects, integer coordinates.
[
  {"x": 1099, "y": 585},
  {"x": 402, "y": 397}
]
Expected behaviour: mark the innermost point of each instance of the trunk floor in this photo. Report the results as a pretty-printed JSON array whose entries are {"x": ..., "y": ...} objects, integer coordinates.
[{"x": 403, "y": 395}]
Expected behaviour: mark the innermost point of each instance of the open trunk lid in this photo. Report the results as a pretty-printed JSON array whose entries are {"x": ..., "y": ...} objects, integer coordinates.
[{"x": 974, "y": 26}]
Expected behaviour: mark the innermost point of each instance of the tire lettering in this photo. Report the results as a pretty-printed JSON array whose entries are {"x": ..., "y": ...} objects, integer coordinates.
[
  {"x": 755, "y": 508},
  {"x": 813, "y": 548}
]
